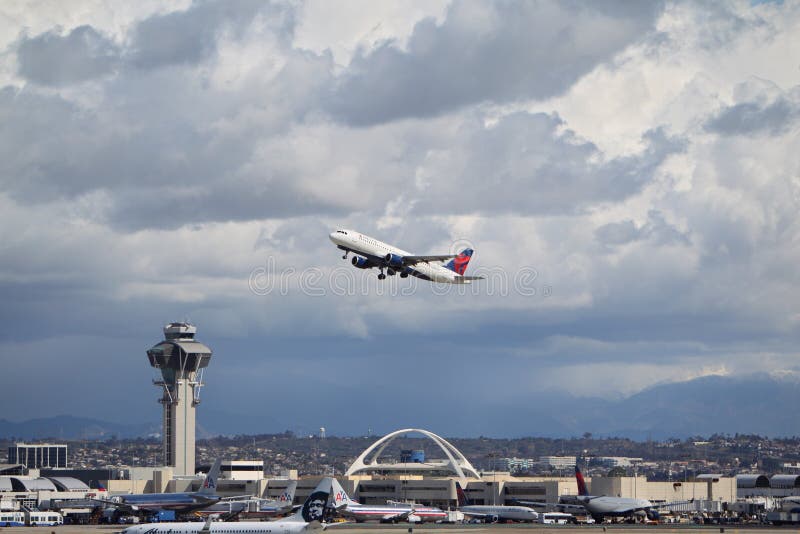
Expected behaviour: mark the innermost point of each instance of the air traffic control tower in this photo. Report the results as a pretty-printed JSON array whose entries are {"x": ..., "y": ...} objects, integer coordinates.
[{"x": 181, "y": 360}]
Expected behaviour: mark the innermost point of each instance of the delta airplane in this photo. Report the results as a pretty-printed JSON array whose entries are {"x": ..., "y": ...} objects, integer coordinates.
[
  {"x": 309, "y": 517},
  {"x": 494, "y": 513},
  {"x": 180, "y": 502},
  {"x": 368, "y": 252},
  {"x": 603, "y": 506},
  {"x": 388, "y": 513}
]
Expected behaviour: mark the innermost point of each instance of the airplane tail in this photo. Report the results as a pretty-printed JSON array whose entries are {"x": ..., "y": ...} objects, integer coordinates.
[
  {"x": 313, "y": 508},
  {"x": 462, "y": 497},
  {"x": 460, "y": 262},
  {"x": 210, "y": 483},
  {"x": 287, "y": 497},
  {"x": 339, "y": 495},
  {"x": 581, "y": 482}
]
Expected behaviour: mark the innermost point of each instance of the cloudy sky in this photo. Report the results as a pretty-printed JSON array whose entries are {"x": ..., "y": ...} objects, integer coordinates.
[{"x": 627, "y": 172}]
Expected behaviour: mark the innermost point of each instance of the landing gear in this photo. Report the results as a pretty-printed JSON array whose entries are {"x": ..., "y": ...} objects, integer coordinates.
[
  {"x": 381, "y": 276},
  {"x": 390, "y": 272},
  {"x": 403, "y": 275},
  {"x": 346, "y": 252}
]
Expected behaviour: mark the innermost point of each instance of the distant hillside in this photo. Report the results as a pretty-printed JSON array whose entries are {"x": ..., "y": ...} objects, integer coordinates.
[
  {"x": 754, "y": 404},
  {"x": 73, "y": 428}
]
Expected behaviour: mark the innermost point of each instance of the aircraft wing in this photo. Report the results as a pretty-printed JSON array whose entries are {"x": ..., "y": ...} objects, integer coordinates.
[
  {"x": 413, "y": 260},
  {"x": 477, "y": 514},
  {"x": 571, "y": 508},
  {"x": 402, "y": 516},
  {"x": 123, "y": 507}
]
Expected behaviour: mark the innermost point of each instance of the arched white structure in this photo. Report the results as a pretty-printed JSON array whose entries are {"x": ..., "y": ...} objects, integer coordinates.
[{"x": 455, "y": 462}]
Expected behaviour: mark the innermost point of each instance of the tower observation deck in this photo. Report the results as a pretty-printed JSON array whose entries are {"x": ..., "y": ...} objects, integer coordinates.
[{"x": 181, "y": 361}]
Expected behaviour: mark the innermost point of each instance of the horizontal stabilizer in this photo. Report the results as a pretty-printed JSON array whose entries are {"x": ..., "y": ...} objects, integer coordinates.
[{"x": 466, "y": 279}]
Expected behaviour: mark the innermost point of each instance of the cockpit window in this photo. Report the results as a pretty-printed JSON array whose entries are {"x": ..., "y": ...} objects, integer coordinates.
[{"x": 341, "y": 232}]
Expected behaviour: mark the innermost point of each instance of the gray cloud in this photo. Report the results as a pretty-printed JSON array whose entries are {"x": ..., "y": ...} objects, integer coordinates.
[
  {"x": 188, "y": 37},
  {"x": 179, "y": 38},
  {"x": 773, "y": 118},
  {"x": 53, "y": 59},
  {"x": 656, "y": 228},
  {"x": 499, "y": 52},
  {"x": 525, "y": 165}
]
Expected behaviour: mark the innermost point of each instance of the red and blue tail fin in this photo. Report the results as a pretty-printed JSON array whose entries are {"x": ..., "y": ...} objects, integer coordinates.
[
  {"x": 581, "y": 482},
  {"x": 462, "y": 497},
  {"x": 460, "y": 262}
]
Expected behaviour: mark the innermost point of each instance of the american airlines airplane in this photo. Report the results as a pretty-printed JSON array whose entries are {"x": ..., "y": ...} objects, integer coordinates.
[
  {"x": 386, "y": 513},
  {"x": 232, "y": 507},
  {"x": 496, "y": 512},
  {"x": 180, "y": 502},
  {"x": 307, "y": 518},
  {"x": 368, "y": 252}
]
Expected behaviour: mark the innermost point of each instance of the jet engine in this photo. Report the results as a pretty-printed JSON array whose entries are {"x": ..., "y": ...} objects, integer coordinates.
[
  {"x": 360, "y": 263},
  {"x": 394, "y": 260}
]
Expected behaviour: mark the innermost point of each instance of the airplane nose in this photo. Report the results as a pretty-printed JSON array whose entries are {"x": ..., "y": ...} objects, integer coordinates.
[{"x": 332, "y": 236}]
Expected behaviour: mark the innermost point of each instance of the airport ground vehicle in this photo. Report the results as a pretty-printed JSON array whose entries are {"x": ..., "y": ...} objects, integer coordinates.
[
  {"x": 783, "y": 518},
  {"x": 555, "y": 518},
  {"x": 43, "y": 519},
  {"x": 12, "y": 519}
]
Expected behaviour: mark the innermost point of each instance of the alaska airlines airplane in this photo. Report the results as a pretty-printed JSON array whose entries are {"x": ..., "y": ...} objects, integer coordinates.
[
  {"x": 369, "y": 252},
  {"x": 496, "y": 512},
  {"x": 387, "y": 513},
  {"x": 309, "y": 517},
  {"x": 180, "y": 502}
]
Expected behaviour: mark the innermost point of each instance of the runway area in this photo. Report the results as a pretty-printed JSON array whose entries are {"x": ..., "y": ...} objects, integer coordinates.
[{"x": 467, "y": 529}]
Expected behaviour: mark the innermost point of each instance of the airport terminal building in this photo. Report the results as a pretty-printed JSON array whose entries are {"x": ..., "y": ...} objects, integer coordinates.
[{"x": 369, "y": 480}]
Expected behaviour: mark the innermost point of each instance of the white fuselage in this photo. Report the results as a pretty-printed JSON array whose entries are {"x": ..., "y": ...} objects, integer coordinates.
[
  {"x": 243, "y": 527},
  {"x": 502, "y": 513},
  {"x": 369, "y": 247},
  {"x": 610, "y": 506},
  {"x": 391, "y": 512}
]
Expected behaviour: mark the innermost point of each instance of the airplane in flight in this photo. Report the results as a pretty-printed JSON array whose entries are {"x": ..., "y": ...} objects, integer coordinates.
[
  {"x": 495, "y": 512},
  {"x": 179, "y": 502},
  {"x": 386, "y": 513},
  {"x": 308, "y": 518},
  {"x": 603, "y": 506},
  {"x": 368, "y": 252}
]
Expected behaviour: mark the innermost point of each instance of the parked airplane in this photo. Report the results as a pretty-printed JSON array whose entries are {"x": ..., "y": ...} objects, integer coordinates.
[
  {"x": 232, "y": 507},
  {"x": 790, "y": 504},
  {"x": 369, "y": 252},
  {"x": 309, "y": 517},
  {"x": 603, "y": 506},
  {"x": 180, "y": 502},
  {"x": 494, "y": 513},
  {"x": 386, "y": 513}
]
